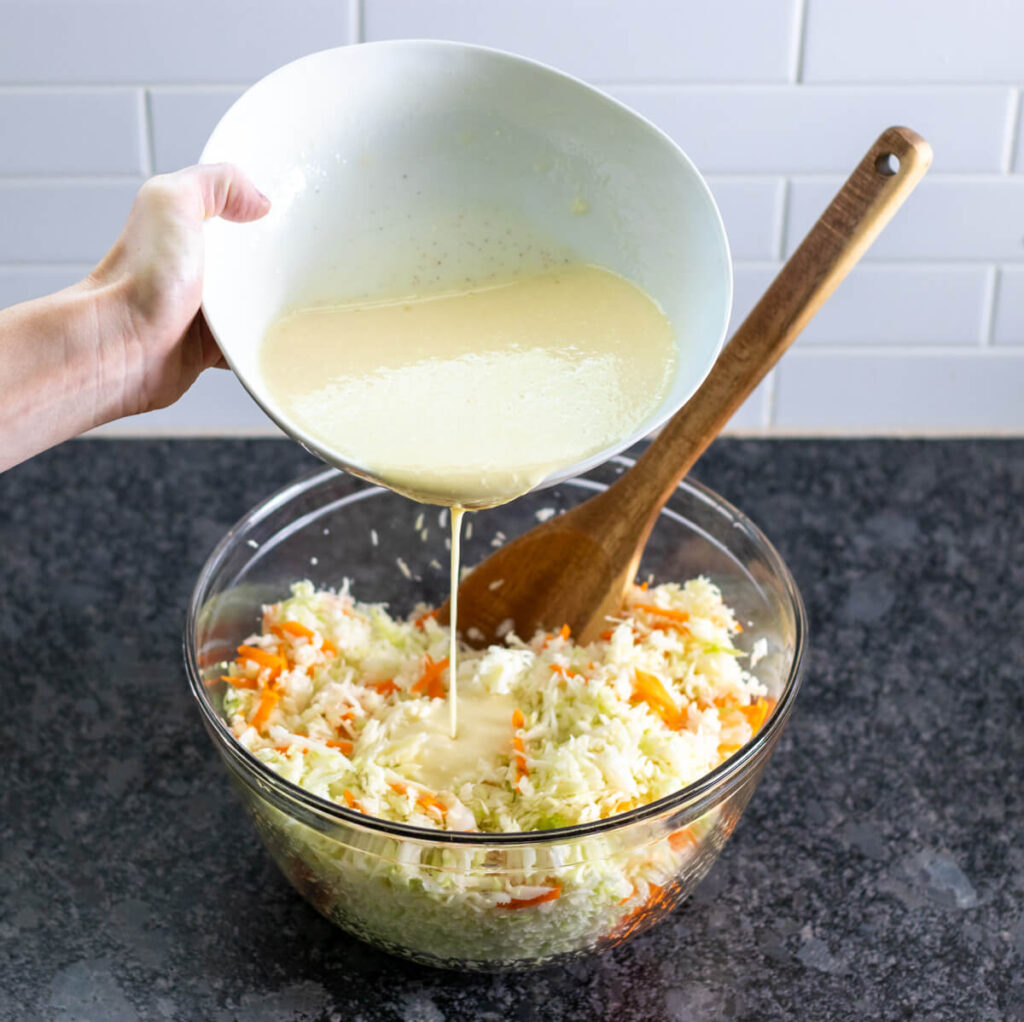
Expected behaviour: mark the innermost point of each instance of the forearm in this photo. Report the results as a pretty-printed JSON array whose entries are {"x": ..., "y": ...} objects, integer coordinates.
[{"x": 56, "y": 376}]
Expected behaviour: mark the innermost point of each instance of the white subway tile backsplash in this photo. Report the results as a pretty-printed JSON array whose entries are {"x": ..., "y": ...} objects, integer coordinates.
[
  {"x": 749, "y": 283},
  {"x": 775, "y": 100},
  {"x": 895, "y": 305},
  {"x": 20, "y": 283},
  {"x": 216, "y": 403},
  {"x": 750, "y": 210},
  {"x": 913, "y": 41},
  {"x": 872, "y": 392},
  {"x": 1017, "y": 156},
  {"x": 945, "y": 218},
  {"x": 182, "y": 122},
  {"x": 889, "y": 305},
  {"x": 809, "y": 130},
  {"x": 61, "y": 222},
  {"x": 1008, "y": 327},
  {"x": 69, "y": 132},
  {"x": 156, "y": 41},
  {"x": 609, "y": 40}
]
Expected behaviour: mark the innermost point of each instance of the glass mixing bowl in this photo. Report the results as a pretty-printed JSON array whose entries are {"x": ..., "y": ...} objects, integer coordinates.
[{"x": 418, "y": 892}]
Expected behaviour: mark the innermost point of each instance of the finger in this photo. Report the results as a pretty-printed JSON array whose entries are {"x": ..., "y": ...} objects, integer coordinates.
[
  {"x": 226, "y": 192},
  {"x": 212, "y": 356}
]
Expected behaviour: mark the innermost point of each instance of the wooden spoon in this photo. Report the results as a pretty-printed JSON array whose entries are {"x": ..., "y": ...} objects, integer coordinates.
[{"x": 576, "y": 567}]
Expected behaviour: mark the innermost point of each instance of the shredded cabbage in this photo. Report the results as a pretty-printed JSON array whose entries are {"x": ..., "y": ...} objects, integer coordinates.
[{"x": 339, "y": 701}]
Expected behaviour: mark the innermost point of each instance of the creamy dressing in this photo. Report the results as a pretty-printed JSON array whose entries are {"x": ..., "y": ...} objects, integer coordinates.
[
  {"x": 486, "y": 735},
  {"x": 471, "y": 398},
  {"x": 453, "y": 616}
]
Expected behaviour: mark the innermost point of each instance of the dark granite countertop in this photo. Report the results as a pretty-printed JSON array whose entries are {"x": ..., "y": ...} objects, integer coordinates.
[{"x": 879, "y": 871}]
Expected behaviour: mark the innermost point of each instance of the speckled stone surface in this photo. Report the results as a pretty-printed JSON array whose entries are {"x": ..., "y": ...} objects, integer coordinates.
[{"x": 879, "y": 872}]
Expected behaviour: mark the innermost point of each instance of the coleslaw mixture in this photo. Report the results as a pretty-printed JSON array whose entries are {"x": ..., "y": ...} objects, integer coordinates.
[
  {"x": 342, "y": 699},
  {"x": 348, "y": 702}
]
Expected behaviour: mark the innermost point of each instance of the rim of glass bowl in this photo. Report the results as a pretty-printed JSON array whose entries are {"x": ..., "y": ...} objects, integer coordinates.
[{"x": 722, "y": 779}]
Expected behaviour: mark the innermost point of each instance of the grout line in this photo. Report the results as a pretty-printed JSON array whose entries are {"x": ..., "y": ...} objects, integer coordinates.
[
  {"x": 771, "y": 265},
  {"x": 835, "y": 178},
  {"x": 108, "y": 87},
  {"x": 146, "y": 124},
  {"x": 796, "y": 69},
  {"x": 860, "y": 85},
  {"x": 877, "y": 432},
  {"x": 1013, "y": 131},
  {"x": 782, "y": 227},
  {"x": 910, "y": 264},
  {"x": 355, "y": 21},
  {"x": 22, "y": 180},
  {"x": 821, "y": 349},
  {"x": 694, "y": 84},
  {"x": 988, "y": 310},
  {"x": 36, "y": 267}
]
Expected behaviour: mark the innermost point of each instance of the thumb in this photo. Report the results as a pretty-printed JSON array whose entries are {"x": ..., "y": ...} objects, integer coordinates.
[{"x": 226, "y": 192}]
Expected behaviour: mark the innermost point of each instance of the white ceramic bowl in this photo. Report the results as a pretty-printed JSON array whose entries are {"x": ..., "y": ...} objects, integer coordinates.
[{"x": 399, "y": 166}]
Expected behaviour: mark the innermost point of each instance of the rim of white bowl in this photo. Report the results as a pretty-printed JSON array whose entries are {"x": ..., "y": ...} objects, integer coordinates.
[{"x": 653, "y": 422}]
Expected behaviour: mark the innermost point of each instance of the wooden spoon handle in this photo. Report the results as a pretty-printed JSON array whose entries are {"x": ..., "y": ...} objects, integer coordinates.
[{"x": 852, "y": 221}]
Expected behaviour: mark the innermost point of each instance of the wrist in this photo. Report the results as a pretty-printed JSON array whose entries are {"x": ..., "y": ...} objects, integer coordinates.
[
  {"x": 108, "y": 363},
  {"x": 58, "y": 369}
]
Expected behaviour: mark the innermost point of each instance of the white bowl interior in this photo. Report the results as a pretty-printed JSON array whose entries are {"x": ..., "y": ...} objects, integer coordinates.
[{"x": 418, "y": 165}]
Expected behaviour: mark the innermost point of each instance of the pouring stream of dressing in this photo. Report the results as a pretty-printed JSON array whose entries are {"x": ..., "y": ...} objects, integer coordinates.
[
  {"x": 455, "y": 514},
  {"x": 471, "y": 398}
]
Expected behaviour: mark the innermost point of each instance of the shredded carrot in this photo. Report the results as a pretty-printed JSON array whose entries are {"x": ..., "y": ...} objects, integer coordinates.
[
  {"x": 294, "y": 629},
  {"x": 385, "y": 688},
  {"x": 421, "y": 621},
  {"x": 430, "y": 804},
  {"x": 563, "y": 633},
  {"x": 430, "y": 680},
  {"x": 234, "y": 682},
  {"x": 352, "y": 802},
  {"x": 262, "y": 657},
  {"x": 647, "y": 688},
  {"x": 396, "y": 786},
  {"x": 565, "y": 672},
  {"x": 673, "y": 615},
  {"x": 341, "y": 744},
  {"x": 658, "y": 899},
  {"x": 681, "y": 839},
  {"x": 553, "y": 895},
  {"x": 606, "y": 635},
  {"x": 642, "y": 587},
  {"x": 757, "y": 714},
  {"x": 632, "y": 893},
  {"x": 268, "y": 700},
  {"x": 329, "y": 647},
  {"x": 518, "y": 746}
]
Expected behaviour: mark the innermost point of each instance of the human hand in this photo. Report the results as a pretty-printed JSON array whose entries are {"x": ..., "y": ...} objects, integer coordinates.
[
  {"x": 130, "y": 337},
  {"x": 158, "y": 341}
]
